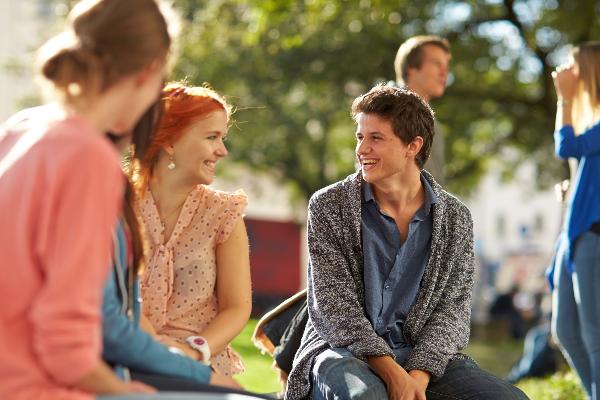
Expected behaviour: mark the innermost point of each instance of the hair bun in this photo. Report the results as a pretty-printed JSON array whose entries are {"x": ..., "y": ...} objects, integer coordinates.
[{"x": 73, "y": 65}]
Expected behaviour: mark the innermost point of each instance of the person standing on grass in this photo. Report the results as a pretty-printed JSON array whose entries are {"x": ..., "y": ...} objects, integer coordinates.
[
  {"x": 60, "y": 194},
  {"x": 576, "y": 298},
  {"x": 390, "y": 272}
]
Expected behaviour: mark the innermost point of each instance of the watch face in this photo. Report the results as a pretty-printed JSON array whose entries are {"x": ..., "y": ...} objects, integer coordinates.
[{"x": 199, "y": 341}]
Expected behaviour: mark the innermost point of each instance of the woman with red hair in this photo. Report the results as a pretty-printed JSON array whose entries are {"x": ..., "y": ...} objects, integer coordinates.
[{"x": 196, "y": 288}]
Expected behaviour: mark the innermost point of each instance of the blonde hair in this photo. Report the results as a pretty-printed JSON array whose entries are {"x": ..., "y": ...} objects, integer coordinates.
[
  {"x": 586, "y": 104},
  {"x": 104, "y": 41}
]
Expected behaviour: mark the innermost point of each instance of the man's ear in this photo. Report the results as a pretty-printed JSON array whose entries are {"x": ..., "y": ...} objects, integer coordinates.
[
  {"x": 414, "y": 147},
  {"x": 410, "y": 72}
]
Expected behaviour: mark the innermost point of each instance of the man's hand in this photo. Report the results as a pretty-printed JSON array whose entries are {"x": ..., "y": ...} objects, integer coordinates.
[
  {"x": 422, "y": 378},
  {"x": 400, "y": 385}
]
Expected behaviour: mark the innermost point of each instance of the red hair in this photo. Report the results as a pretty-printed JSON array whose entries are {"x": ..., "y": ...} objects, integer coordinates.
[{"x": 182, "y": 107}]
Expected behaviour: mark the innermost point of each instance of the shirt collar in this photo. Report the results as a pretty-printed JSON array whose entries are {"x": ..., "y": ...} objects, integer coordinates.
[
  {"x": 430, "y": 200},
  {"x": 422, "y": 213}
]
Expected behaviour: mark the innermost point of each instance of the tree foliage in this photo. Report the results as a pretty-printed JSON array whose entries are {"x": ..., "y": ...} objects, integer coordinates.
[{"x": 292, "y": 68}]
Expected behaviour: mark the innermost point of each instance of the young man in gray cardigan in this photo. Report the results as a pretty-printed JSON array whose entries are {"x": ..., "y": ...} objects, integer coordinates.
[{"x": 390, "y": 272}]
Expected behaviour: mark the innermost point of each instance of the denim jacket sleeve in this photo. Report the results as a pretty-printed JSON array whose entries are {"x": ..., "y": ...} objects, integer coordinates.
[{"x": 126, "y": 344}]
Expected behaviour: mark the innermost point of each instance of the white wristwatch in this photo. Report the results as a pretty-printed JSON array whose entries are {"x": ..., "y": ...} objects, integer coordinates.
[{"x": 200, "y": 344}]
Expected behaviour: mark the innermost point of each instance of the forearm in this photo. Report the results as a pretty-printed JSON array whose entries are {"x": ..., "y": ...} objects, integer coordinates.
[
  {"x": 422, "y": 377},
  {"x": 563, "y": 114},
  {"x": 228, "y": 323},
  {"x": 386, "y": 368},
  {"x": 445, "y": 334}
]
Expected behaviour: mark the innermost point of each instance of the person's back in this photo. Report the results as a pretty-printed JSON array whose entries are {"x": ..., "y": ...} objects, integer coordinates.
[
  {"x": 60, "y": 191},
  {"x": 41, "y": 204}
]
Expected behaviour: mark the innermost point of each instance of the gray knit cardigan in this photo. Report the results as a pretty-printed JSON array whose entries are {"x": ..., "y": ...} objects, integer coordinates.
[{"x": 437, "y": 325}]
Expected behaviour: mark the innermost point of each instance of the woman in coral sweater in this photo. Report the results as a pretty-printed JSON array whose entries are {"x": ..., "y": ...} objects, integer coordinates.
[{"x": 60, "y": 194}]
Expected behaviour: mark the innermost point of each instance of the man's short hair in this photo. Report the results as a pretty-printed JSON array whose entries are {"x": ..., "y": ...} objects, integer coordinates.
[
  {"x": 409, "y": 115},
  {"x": 410, "y": 54}
]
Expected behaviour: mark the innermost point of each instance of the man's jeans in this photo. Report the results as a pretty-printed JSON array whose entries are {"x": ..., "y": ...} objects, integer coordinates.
[
  {"x": 336, "y": 374},
  {"x": 576, "y": 310}
]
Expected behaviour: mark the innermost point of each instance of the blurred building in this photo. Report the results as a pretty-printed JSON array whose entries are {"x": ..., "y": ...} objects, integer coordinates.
[
  {"x": 277, "y": 234},
  {"x": 24, "y": 25},
  {"x": 514, "y": 216},
  {"x": 515, "y": 228}
]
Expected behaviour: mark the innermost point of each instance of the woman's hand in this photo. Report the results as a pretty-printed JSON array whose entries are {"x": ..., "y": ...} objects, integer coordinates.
[
  {"x": 137, "y": 387},
  {"x": 565, "y": 82},
  {"x": 102, "y": 380}
]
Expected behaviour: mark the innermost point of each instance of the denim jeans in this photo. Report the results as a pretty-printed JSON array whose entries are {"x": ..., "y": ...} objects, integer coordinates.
[
  {"x": 539, "y": 357},
  {"x": 576, "y": 310},
  {"x": 338, "y": 375}
]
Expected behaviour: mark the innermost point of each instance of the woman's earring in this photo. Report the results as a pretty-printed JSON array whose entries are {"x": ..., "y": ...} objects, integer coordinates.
[{"x": 171, "y": 164}]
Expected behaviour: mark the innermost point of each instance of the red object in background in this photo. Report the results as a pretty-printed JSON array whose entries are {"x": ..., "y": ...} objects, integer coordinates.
[{"x": 274, "y": 257}]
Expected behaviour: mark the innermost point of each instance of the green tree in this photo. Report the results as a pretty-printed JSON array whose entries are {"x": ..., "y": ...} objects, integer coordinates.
[{"x": 293, "y": 68}]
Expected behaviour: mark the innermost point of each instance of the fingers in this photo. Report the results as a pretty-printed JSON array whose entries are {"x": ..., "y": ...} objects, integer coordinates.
[
  {"x": 139, "y": 387},
  {"x": 560, "y": 70}
]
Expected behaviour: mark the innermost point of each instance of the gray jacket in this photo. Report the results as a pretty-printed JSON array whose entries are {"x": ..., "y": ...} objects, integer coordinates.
[{"x": 437, "y": 326}]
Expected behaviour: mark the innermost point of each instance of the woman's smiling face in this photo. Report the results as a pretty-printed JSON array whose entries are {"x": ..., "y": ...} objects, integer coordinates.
[{"x": 201, "y": 146}]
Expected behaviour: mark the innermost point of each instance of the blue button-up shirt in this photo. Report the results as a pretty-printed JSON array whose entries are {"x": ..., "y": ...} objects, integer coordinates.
[{"x": 393, "y": 270}]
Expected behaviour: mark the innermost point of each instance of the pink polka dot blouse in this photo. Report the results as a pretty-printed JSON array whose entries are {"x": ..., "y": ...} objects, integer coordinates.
[{"x": 179, "y": 283}]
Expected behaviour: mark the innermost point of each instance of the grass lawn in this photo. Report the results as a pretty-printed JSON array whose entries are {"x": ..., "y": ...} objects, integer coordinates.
[
  {"x": 259, "y": 376},
  {"x": 497, "y": 357}
]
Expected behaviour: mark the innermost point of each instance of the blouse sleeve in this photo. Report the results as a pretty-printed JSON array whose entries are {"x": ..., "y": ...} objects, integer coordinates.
[{"x": 235, "y": 205}]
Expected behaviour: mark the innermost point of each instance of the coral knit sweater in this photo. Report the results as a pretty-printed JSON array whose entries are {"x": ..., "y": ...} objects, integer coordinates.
[{"x": 60, "y": 194}]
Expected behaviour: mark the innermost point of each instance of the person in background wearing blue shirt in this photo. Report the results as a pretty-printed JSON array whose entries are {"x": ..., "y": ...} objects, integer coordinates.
[
  {"x": 576, "y": 298},
  {"x": 390, "y": 272}
]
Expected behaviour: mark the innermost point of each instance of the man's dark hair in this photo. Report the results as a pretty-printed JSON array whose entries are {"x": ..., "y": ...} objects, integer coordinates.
[
  {"x": 409, "y": 115},
  {"x": 410, "y": 54}
]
